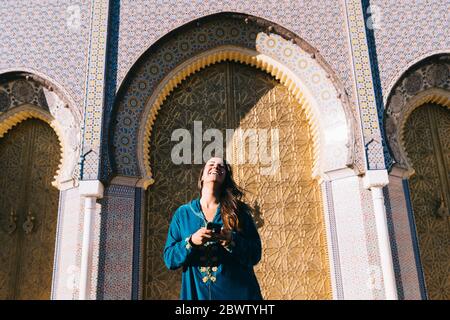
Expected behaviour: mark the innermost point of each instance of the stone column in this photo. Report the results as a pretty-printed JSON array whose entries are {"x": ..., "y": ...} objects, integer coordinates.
[
  {"x": 66, "y": 269},
  {"x": 375, "y": 180},
  {"x": 352, "y": 243},
  {"x": 91, "y": 191}
]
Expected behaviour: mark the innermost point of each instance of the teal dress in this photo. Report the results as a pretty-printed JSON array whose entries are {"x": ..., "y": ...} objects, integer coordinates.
[{"x": 211, "y": 272}]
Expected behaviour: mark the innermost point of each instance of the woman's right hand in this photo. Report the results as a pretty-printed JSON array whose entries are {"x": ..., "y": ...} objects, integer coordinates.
[{"x": 201, "y": 236}]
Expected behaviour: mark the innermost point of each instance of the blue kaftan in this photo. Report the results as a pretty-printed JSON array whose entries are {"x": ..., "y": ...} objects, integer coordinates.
[{"x": 211, "y": 272}]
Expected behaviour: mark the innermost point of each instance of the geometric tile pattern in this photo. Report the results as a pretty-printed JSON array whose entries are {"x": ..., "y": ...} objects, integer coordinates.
[
  {"x": 403, "y": 239},
  {"x": 48, "y": 38},
  {"x": 116, "y": 243},
  {"x": 94, "y": 100},
  {"x": 321, "y": 24},
  {"x": 364, "y": 86},
  {"x": 422, "y": 31}
]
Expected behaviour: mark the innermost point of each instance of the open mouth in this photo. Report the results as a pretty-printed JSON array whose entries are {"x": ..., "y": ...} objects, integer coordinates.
[{"x": 215, "y": 172}]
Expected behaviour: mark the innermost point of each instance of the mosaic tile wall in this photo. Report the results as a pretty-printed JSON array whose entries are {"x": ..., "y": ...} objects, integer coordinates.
[
  {"x": 320, "y": 23},
  {"x": 116, "y": 243},
  {"x": 371, "y": 243},
  {"x": 406, "y": 32},
  {"x": 49, "y": 37}
]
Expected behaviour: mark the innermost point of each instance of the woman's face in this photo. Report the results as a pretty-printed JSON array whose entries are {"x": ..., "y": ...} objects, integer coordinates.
[{"x": 214, "y": 171}]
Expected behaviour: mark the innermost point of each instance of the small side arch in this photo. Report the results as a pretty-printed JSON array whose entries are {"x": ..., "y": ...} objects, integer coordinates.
[
  {"x": 24, "y": 96},
  {"x": 427, "y": 81}
]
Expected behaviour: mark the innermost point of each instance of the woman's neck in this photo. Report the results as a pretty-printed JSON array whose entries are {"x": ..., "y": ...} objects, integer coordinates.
[{"x": 209, "y": 196}]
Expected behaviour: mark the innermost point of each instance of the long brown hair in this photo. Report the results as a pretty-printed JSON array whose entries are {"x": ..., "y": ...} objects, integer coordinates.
[{"x": 230, "y": 200}]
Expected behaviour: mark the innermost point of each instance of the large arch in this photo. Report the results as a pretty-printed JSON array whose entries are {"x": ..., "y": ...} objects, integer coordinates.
[
  {"x": 260, "y": 43},
  {"x": 40, "y": 98},
  {"x": 208, "y": 42},
  {"x": 417, "y": 118}
]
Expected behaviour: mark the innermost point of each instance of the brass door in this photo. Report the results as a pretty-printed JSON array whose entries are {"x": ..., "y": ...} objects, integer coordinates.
[
  {"x": 29, "y": 157},
  {"x": 427, "y": 138},
  {"x": 289, "y": 212}
]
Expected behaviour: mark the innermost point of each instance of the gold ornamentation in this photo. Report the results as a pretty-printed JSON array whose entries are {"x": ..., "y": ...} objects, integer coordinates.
[
  {"x": 427, "y": 142},
  {"x": 29, "y": 158},
  {"x": 18, "y": 115},
  {"x": 230, "y": 95}
]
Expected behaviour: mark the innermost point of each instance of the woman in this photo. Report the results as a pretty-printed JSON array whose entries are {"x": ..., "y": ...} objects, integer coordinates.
[{"x": 216, "y": 265}]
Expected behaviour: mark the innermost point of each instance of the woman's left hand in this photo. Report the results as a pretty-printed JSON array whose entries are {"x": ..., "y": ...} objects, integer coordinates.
[{"x": 224, "y": 237}]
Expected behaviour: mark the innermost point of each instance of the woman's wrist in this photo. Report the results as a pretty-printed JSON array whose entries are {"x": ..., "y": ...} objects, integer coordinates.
[{"x": 192, "y": 242}]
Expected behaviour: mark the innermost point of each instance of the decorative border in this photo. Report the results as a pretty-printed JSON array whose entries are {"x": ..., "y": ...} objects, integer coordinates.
[
  {"x": 415, "y": 242},
  {"x": 137, "y": 244},
  {"x": 364, "y": 88},
  {"x": 393, "y": 243},
  {"x": 95, "y": 91}
]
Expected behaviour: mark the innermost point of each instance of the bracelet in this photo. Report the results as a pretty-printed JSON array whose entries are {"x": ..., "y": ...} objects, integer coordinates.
[{"x": 188, "y": 243}]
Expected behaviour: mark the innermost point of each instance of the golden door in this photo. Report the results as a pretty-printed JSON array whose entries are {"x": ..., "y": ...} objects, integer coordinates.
[
  {"x": 288, "y": 203},
  {"x": 29, "y": 157},
  {"x": 427, "y": 139}
]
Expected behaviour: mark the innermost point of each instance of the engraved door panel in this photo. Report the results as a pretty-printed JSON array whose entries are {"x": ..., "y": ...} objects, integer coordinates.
[
  {"x": 427, "y": 140},
  {"x": 13, "y": 153},
  {"x": 288, "y": 202},
  {"x": 231, "y": 95},
  {"x": 32, "y": 259}
]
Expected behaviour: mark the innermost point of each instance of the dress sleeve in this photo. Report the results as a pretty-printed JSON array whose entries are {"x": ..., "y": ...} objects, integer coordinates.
[
  {"x": 176, "y": 250},
  {"x": 246, "y": 246}
]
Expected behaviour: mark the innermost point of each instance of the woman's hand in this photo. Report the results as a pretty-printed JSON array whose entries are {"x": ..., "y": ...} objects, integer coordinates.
[
  {"x": 201, "y": 236},
  {"x": 224, "y": 237}
]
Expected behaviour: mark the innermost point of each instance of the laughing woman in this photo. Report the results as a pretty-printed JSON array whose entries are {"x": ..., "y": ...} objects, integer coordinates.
[{"x": 214, "y": 239}]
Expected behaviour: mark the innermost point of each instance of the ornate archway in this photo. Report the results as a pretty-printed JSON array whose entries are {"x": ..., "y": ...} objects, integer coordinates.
[
  {"x": 39, "y": 141},
  {"x": 418, "y": 129},
  {"x": 23, "y": 96},
  {"x": 160, "y": 73},
  {"x": 427, "y": 143}
]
